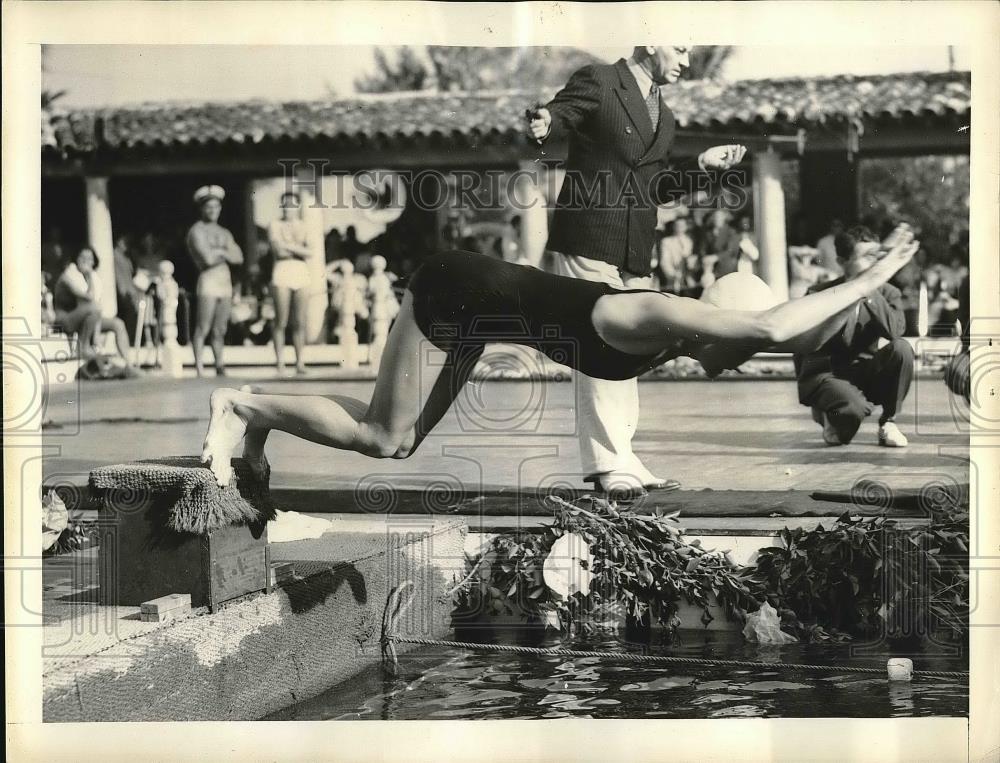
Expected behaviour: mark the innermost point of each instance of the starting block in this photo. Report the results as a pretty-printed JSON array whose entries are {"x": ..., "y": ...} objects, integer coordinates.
[{"x": 167, "y": 527}]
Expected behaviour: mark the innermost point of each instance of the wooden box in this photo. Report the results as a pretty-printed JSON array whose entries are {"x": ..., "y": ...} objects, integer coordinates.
[{"x": 139, "y": 558}]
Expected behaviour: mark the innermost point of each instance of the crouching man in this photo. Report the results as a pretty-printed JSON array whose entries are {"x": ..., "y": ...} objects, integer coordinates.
[{"x": 866, "y": 363}]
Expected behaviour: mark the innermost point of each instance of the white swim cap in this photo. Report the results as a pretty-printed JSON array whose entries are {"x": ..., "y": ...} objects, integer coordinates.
[{"x": 740, "y": 291}]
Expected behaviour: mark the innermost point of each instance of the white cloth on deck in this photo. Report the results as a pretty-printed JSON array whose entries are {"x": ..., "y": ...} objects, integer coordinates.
[{"x": 290, "y": 525}]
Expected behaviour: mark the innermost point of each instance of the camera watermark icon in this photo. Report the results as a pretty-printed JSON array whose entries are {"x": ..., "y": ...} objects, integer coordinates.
[
  {"x": 935, "y": 492},
  {"x": 971, "y": 377},
  {"x": 436, "y": 493},
  {"x": 41, "y": 389},
  {"x": 424, "y": 569},
  {"x": 921, "y": 571},
  {"x": 565, "y": 485},
  {"x": 500, "y": 348}
]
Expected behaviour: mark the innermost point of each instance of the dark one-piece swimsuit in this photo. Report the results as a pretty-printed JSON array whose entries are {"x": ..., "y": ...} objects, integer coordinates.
[{"x": 464, "y": 301}]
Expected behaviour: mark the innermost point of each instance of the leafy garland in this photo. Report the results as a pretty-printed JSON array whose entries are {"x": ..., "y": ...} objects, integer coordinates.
[
  {"x": 642, "y": 567},
  {"x": 866, "y": 576},
  {"x": 854, "y": 579}
]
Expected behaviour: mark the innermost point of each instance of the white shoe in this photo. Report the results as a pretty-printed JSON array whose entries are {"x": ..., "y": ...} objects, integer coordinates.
[{"x": 890, "y": 436}]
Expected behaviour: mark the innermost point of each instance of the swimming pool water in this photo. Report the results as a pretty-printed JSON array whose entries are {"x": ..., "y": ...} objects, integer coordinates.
[{"x": 438, "y": 683}]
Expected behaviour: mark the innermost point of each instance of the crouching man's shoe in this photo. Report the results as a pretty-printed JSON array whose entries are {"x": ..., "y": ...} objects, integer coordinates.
[
  {"x": 890, "y": 436},
  {"x": 830, "y": 436}
]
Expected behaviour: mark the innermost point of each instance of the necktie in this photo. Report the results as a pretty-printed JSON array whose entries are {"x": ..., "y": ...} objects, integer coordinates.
[{"x": 653, "y": 105}]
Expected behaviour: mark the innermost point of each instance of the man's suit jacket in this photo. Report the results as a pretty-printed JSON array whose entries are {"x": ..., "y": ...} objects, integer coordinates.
[
  {"x": 880, "y": 315},
  {"x": 615, "y": 170}
]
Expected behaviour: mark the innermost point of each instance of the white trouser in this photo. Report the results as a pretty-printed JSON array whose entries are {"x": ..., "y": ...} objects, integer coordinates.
[{"x": 608, "y": 410}]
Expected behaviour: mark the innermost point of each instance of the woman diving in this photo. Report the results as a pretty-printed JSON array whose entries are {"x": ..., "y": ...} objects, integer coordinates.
[{"x": 460, "y": 302}]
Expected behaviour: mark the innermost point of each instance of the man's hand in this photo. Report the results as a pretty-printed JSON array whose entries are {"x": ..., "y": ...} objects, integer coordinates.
[
  {"x": 722, "y": 157},
  {"x": 539, "y": 122}
]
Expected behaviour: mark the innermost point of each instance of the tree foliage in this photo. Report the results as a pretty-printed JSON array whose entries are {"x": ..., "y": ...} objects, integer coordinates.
[
  {"x": 401, "y": 72},
  {"x": 451, "y": 68},
  {"x": 929, "y": 192},
  {"x": 708, "y": 61}
]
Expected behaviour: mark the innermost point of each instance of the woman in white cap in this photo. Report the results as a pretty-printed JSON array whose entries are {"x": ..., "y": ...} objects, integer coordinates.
[
  {"x": 213, "y": 250},
  {"x": 290, "y": 276},
  {"x": 599, "y": 330}
]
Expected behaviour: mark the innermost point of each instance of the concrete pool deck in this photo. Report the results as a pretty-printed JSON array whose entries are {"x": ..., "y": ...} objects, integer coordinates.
[
  {"x": 255, "y": 655},
  {"x": 505, "y": 438}
]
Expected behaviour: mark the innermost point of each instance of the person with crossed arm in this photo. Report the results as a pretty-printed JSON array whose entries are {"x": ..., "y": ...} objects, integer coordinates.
[{"x": 213, "y": 250}]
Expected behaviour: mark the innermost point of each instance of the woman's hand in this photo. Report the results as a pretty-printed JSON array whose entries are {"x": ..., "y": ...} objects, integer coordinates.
[
  {"x": 901, "y": 234},
  {"x": 893, "y": 260}
]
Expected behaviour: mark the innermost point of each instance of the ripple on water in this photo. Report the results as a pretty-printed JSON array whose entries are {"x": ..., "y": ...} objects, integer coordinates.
[
  {"x": 772, "y": 686},
  {"x": 660, "y": 684},
  {"x": 711, "y": 699},
  {"x": 739, "y": 711},
  {"x": 559, "y": 684},
  {"x": 470, "y": 696}
]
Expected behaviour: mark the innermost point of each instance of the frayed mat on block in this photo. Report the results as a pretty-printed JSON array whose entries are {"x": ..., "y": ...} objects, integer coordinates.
[{"x": 197, "y": 504}]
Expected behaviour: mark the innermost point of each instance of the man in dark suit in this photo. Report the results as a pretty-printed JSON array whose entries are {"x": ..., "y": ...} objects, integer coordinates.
[
  {"x": 866, "y": 363},
  {"x": 604, "y": 228}
]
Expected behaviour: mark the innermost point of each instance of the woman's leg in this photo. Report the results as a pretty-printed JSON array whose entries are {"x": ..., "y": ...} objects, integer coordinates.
[
  {"x": 282, "y": 298},
  {"x": 117, "y": 326},
  {"x": 204, "y": 318},
  {"x": 407, "y": 397},
  {"x": 89, "y": 332},
  {"x": 300, "y": 303},
  {"x": 218, "y": 337}
]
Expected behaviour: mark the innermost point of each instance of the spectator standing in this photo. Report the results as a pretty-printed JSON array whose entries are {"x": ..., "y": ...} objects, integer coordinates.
[
  {"x": 289, "y": 278},
  {"x": 213, "y": 250},
  {"x": 129, "y": 295},
  {"x": 720, "y": 242},
  {"x": 675, "y": 249},
  {"x": 747, "y": 252}
]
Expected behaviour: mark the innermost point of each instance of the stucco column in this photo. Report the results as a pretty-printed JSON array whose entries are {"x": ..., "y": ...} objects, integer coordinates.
[
  {"x": 769, "y": 213},
  {"x": 251, "y": 259},
  {"x": 530, "y": 203},
  {"x": 307, "y": 179},
  {"x": 100, "y": 237}
]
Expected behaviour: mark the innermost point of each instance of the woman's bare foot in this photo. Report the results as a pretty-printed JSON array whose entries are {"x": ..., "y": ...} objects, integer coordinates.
[
  {"x": 225, "y": 430},
  {"x": 253, "y": 445}
]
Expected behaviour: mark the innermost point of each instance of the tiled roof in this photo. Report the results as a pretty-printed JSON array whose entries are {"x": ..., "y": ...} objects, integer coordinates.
[{"x": 772, "y": 105}]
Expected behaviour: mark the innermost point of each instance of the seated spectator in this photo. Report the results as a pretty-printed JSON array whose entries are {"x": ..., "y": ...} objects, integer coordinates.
[
  {"x": 866, "y": 363},
  {"x": 77, "y": 309}
]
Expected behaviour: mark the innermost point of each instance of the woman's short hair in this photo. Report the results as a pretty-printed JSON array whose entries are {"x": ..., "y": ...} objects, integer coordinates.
[
  {"x": 290, "y": 195},
  {"x": 845, "y": 241},
  {"x": 81, "y": 250}
]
